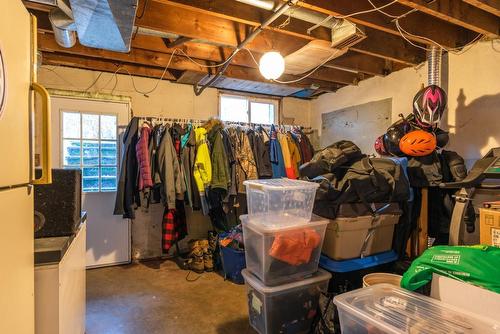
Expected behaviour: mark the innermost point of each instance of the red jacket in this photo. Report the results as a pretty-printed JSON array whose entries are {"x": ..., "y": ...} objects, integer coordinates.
[{"x": 145, "y": 180}]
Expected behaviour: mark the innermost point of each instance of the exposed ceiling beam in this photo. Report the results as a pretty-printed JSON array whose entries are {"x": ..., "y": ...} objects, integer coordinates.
[
  {"x": 444, "y": 33},
  {"x": 408, "y": 55},
  {"x": 193, "y": 22},
  {"x": 217, "y": 54},
  {"x": 157, "y": 59},
  {"x": 50, "y": 58},
  {"x": 459, "y": 13},
  {"x": 490, "y": 6},
  {"x": 366, "y": 64}
]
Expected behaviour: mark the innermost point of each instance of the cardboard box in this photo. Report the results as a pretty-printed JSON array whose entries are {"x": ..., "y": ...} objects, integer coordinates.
[
  {"x": 466, "y": 296},
  {"x": 489, "y": 229}
]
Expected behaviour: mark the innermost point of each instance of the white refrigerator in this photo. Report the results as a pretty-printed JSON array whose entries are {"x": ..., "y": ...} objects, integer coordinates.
[{"x": 17, "y": 89}]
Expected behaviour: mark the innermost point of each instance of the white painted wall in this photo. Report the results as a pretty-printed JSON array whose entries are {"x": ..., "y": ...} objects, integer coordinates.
[
  {"x": 168, "y": 100},
  {"x": 473, "y": 116}
]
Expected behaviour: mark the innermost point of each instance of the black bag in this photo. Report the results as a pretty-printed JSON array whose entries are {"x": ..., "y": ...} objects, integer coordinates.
[
  {"x": 330, "y": 159},
  {"x": 425, "y": 171},
  {"x": 370, "y": 180}
]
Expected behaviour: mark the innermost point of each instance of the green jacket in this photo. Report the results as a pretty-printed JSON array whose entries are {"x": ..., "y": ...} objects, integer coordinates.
[{"x": 221, "y": 176}]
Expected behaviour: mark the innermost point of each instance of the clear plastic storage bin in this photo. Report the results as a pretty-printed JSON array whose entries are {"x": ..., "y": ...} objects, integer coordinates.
[
  {"x": 279, "y": 254},
  {"x": 384, "y": 308},
  {"x": 280, "y": 200},
  {"x": 289, "y": 308}
]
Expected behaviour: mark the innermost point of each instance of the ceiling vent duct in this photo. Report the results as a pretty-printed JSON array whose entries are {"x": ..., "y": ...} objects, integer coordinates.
[
  {"x": 64, "y": 28},
  {"x": 105, "y": 24}
]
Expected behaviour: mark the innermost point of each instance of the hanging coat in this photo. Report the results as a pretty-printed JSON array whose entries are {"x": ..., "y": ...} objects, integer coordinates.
[
  {"x": 127, "y": 194},
  {"x": 169, "y": 171},
  {"x": 221, "y": 177},
  {"x": 202, "y": 170},
  {"x": 143, "y": 159},
  {"x": 246, "y": 160},
  {"x": 276, "y": 155},
  {"x": 287, "y": 158},
  {"x": 295, "y": 157},
  {"x": 188, "y": 154}
]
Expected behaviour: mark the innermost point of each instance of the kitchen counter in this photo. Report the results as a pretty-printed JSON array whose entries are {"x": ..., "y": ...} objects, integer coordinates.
[{"x": 51, "y": 250}]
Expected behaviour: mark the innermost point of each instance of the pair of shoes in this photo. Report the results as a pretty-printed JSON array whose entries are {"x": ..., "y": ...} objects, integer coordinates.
[
  {"x": 201, "y": 256},
  {"x": 207, "y": 255},
  {"x": 195, "y": 256}
]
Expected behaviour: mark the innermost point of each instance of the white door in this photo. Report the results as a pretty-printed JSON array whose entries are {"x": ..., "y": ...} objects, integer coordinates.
[{"x": 85, "y": 135}]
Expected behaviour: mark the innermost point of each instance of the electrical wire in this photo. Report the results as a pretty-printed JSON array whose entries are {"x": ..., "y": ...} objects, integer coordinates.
[
  {"x": 140, "y": 16},
  {"x": 93, "y": 83},
  {"x": 58, "y": 75},
  {"x": 367, "y": 11},
  {"x": 404, "y": 33}
]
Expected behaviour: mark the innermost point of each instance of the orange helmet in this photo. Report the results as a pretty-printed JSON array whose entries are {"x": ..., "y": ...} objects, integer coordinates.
[{"x": 418, "y": 143}]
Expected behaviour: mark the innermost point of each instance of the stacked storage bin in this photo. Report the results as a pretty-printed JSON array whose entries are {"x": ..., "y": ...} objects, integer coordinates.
[{"x": 282, "y": 248}]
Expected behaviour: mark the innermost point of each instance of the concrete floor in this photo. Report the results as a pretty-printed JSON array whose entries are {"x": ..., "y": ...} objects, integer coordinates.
[{"x": 154, "y": 297}]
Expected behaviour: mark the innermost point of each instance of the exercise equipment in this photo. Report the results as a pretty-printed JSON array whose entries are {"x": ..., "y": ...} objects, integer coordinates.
[{"x": 485, "y": 169}]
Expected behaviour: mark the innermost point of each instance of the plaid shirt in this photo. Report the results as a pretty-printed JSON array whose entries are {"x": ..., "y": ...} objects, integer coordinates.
[{"x": 174, "y": 227}]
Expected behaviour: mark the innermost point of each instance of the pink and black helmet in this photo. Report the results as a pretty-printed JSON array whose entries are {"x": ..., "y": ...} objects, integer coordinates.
[
  {"x": 429, "y": 105},
  {"x": 379, "y": 145}
]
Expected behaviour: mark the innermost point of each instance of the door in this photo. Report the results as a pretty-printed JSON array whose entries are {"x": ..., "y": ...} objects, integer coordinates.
[
  {"x": 16, "y": 196},
  {"x": 85, "y": 135}
]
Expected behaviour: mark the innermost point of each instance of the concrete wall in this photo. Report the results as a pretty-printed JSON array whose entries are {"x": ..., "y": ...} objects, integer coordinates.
[{"x": 473, "y": 86}]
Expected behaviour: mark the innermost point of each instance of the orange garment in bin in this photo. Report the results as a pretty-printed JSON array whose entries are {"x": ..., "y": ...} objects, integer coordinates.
[{"x": 295, "y": 247}]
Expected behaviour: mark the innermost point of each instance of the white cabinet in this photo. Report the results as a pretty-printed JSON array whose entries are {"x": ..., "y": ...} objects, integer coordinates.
[{"x": 60, "y": 291}]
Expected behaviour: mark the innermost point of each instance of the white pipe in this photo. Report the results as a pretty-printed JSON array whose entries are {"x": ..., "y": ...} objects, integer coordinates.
[{"x": 296, "y": 12}]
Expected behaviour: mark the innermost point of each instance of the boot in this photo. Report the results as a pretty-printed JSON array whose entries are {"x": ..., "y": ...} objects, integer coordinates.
[
  {"x": 207, "y": 255},
  {"x": 196, "y": 261}
]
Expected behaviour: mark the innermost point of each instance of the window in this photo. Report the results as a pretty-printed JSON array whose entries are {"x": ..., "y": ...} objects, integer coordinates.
[
  {"x": 235, "y": 108},
  {"x": 89, "y": 142}
]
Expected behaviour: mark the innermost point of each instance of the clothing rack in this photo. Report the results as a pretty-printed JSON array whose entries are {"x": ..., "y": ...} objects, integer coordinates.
[{"x": 199, "y": 121}]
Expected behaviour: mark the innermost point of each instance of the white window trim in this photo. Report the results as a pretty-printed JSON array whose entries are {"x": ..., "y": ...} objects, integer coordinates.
[
  {"x": 276, "y": 101},
  {"x": 81, "y": 139}
]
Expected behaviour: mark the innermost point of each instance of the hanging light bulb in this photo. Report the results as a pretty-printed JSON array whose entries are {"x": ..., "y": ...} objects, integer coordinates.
[{"x": 271, "y": 65}]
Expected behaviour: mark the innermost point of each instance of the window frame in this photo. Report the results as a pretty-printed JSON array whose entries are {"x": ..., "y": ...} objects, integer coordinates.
[
  {"x": 62, "y": 138},
  {"x": 276, "y": 101}
]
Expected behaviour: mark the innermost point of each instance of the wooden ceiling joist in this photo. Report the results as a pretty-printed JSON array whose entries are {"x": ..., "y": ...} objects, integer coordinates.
[
  {"x": 459, "y": 13},
  {"x": 160, "y": 60},
  {"x": 444, "y": 33},
  {"x": 490, "y": 6},
  {"x": 211, "y": 53},
  {"x": 209, "y": 24},
  {"x": 56, "y": 59}
]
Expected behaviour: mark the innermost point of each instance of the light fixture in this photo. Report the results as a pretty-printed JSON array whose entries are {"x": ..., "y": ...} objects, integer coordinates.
[{"x": 272, "y": 65}]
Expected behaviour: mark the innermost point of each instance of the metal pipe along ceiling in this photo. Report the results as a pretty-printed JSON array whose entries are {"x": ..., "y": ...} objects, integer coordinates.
[{"x": 282, "y": 9}]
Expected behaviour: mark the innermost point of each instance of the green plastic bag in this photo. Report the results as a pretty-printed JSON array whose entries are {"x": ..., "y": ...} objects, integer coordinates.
[{"x": 478, "y": 265}]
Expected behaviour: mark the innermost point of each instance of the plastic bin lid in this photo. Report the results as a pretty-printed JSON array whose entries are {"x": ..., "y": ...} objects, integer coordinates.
[
  {"x": 345, "y": 266},
  {"x": 395, "y": 310},
  {"x": 271, "y": 224},
  {"x": 317, "y": 277},
  {"x": 280, "y": 184}
]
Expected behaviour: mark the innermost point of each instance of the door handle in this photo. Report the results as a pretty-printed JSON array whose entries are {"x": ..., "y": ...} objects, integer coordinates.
[{"x": 46, "y": 177}]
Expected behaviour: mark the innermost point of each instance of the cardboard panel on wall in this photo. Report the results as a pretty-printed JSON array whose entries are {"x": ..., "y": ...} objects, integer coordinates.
[{"x": 361, "y": 124}]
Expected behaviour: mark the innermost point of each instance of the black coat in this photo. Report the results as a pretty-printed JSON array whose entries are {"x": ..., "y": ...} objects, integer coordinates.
[{"x": 127, "y": 195}]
